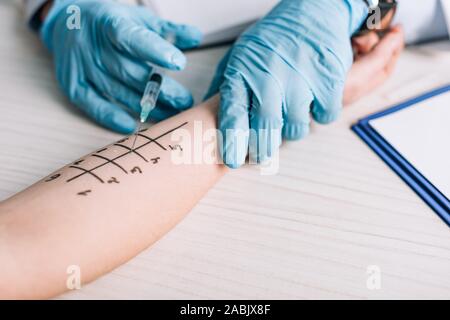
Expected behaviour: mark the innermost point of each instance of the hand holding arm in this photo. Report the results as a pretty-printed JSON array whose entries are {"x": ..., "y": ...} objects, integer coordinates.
[{"x": 291, "y": 63}]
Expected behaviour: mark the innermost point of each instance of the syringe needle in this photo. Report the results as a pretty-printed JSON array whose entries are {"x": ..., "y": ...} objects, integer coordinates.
[
  {"x": 148, "y": 102},
  {"x": 136, "y": 135}
]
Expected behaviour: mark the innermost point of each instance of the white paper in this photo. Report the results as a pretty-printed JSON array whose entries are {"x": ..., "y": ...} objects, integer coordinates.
[
  {"x": 421, "y": 134},
  {"x": 218, "y": 20}
]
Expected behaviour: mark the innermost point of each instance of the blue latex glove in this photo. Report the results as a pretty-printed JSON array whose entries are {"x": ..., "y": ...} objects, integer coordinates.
[
  {"x": 288, "y": 65},
  {"x": 107, "y": 61}
]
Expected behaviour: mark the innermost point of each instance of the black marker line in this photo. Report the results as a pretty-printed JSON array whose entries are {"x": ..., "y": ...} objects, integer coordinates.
[
  {"x": 164, "y": 134},
  {"x": 111, "y": 161},
  {"x": 131, "y": 151},
  {"x": 85, "y": 171},
  {"x": 53, "y": 177},
  {"x": 127, "y": 153},
  {"x": 100, "y": 151},
  {"x": 152, "y": 140}
]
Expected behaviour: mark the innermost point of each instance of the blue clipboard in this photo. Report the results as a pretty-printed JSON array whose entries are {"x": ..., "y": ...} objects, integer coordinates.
[{"x": 424, "y": 188}]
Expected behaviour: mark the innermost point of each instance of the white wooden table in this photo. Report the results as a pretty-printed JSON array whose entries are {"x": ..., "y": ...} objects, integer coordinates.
[{"x": 309, "y": 232}]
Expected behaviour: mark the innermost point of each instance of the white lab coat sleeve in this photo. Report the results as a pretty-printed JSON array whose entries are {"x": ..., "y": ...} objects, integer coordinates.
[
  {"x": 423, "y": 20},
  {"x": 31, "y": 8}
]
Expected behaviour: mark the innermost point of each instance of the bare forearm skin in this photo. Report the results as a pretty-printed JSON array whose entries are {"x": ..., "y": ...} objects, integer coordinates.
[{"x": 53, "y": 224}]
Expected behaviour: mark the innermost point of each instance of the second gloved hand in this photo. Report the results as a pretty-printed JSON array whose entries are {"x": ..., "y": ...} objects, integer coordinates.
[
  {"x": 291, "y": 63},
  {"x": 106, "y": 60}
]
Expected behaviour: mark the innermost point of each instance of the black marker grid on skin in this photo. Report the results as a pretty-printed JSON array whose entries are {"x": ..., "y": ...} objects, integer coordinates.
[
  {"x": 113, "y": 161},
  {"x": 130, "y": 150}
]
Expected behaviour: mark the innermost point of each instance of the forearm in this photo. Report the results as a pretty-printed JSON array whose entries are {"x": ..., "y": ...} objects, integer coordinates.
[{"x": 98, "y": 221}]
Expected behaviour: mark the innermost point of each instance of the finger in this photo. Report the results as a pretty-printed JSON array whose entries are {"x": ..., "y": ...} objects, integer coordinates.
[
  {"x": 107, "y": 85},
  {"x": 374, "y": 68},
  {"x": 391, "y": 44},
  {"x": 128, "y": 70},
  {"x": 88, "y": 100},
  {"x": 183, "y": 36},
  {"x": 162, "y": 113},
  {"x": 144, "y": 44},
  {"x": 175, "y": 95},
  {"x": 136, "y": 74},
  {"x": 329, "y": 91},
  {"x": 266, "y": 119},
  {"x": 102, "y": 111},
  {"x": 234, "y": 120},
  {"x": 365, "y": 43},
  {"x": 389, "y": 69},
  {"x": 327, "y": 104},
  {"x": 218, "y": 77},
  {"x": 390, "y": 48},
  {"x": 297, "y": 117},
  {"x": 381, "y": 58}
]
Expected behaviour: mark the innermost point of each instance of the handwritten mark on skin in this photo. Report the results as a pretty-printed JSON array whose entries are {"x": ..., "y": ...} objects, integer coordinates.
[
  {"x": 176, "y": 147},
  {"x": 113, "y": 180},
  {"x": 136, "y": 169}
]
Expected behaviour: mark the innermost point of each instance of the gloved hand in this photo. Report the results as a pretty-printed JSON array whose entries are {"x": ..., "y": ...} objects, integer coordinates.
[
  {"x": 291, "y": 63},
  {"x": 106, "y": 61}
]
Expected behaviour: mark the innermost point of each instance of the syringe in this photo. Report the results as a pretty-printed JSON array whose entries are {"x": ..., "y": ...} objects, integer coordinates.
[{"x": 149, "y": 99}]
